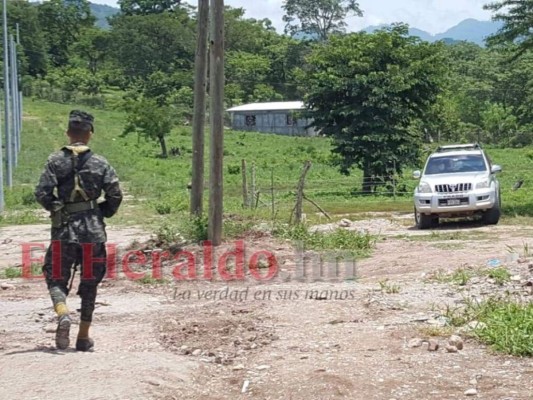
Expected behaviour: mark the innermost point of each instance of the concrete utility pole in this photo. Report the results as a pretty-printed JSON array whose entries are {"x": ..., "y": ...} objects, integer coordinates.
[
  {"x": 198, "y": 124},
  {"x": 217, "y": 122},
  {"x": 2, "y": 204},
  {"x": 14, "y": 101},
  {"x": 19, "y": 103},
  {"x": 9, "y": 172}
]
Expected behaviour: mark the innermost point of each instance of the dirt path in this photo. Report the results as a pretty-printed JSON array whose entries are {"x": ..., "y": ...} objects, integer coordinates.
[{"x": 279, "y": 340}]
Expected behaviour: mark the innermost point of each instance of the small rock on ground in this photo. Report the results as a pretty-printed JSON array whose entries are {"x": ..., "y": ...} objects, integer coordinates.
[
  {"x": 416, "y": 342},
  {"x": 456, "y": 341},
  {"x": 451, "y": 349},
  {"x": 433, "y": 345}
]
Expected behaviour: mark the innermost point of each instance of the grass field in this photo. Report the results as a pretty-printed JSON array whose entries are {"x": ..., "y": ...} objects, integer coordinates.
[{"x": 159, "y": 186}]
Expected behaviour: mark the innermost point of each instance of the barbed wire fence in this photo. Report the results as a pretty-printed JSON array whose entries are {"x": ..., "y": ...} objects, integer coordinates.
[{"x": 321, "y": 194}]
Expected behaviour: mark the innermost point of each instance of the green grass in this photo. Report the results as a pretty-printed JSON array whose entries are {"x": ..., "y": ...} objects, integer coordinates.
[
  {"x": 16, "y": 272},
  {"x": 159, "y": 186},
  {"x": 11, "y": 273},
  {"x": 462, "y": 276},
  {"x": 340, "y": 239},
  {"x": 508, "y": 326},
  {"x": 500, "y": 275},
  {"x": 505, "y": 324}
]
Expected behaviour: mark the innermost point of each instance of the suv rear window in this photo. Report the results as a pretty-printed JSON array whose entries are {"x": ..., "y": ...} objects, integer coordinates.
[{"x": 453, "y": 164}]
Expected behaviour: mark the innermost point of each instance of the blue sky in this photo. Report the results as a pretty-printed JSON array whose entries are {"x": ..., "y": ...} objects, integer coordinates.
[{"x": 434, "y": 16}]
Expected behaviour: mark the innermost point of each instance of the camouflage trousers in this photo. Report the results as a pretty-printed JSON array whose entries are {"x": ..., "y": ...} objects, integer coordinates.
[{"x": 60, "y": 260}]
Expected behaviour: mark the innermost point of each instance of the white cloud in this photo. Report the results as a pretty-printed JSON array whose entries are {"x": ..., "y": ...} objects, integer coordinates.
[{"x": 434, "y": 16}]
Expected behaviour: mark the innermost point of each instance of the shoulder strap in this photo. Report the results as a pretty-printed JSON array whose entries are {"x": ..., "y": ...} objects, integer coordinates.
[
  {"x": 77, "y": 166},
  {"x": 82, "y": 160}
]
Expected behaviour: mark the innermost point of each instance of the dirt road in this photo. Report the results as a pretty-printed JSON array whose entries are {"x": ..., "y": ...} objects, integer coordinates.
[{"x": 283, "y": 339}]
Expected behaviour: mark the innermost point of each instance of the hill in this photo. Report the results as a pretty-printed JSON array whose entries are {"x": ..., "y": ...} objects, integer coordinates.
[
  {"x": 470, "y": 30},
  {"x": 102, "y": 12}
]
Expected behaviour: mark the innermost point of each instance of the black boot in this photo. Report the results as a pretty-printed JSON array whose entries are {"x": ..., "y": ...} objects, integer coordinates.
[{"x": 84, "y": 344}]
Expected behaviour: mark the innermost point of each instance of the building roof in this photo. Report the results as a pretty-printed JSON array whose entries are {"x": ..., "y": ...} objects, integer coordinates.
[{"x": 274, "y": 106}]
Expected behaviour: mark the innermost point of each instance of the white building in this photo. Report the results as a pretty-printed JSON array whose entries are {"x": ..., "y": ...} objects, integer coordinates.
[{"x": 282, "y": 118}]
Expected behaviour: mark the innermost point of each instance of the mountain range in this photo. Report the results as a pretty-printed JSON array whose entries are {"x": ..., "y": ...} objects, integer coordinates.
[
  {"x": 101, "y": 12},
  {"x": 470, "y": 30}
]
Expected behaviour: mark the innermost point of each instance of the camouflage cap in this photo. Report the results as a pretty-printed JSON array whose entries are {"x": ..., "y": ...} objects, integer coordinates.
[{"x": 78, "y": 117}]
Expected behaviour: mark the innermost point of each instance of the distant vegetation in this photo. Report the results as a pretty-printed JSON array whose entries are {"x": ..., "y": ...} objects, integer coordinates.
[
  {"x": 102, "y": 12},
  {"x": 381, "y": 97}
]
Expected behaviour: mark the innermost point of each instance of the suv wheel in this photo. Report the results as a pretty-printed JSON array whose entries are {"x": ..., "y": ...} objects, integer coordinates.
[
  {"x": 492, "y": 215},
  {"x": 424, "y": 221}
]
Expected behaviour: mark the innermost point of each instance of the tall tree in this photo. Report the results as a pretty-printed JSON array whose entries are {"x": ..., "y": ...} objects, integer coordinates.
[
  {"x": 485, "y": 87},
  {"x": 318, "y": 18},
  {"x": 62, "y": 22},
  {"x": 93, "y": 48},
  {"x": 366, "y": 91},
  {"x": 34, "y": 60},
  {"x": 246, "y": 34},
  {"x": 246, "y": 73},
  {"x": 517, "y": 17},
  {"x": 144, "y": 44}
]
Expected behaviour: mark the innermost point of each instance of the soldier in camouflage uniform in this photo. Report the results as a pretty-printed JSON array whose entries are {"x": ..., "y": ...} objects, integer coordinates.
[{"x": 78, "y": 228}]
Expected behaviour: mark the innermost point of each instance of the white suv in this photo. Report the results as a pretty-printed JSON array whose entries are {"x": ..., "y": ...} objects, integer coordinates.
[{"x": 458, "y": 181}]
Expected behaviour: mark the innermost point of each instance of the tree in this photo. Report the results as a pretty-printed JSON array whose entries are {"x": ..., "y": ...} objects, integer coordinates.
[
  {"x": 61, "y": 22},
  {"x": 145, "y": 7},
  {"x": 143, "y": 44},
  {"x": 34, "y": 58},
  {"x": 244, "y": 72},
  {"x": 150, "y": 120},
  {"x": 366, "y": 90},
  {"x": 92, "y": 47},
  {"x": 517, "y": 24},
  {"x": 258, "y": 60},
  {"x": 484, "y": 86},
  {"x": 286, "y": 55},
  {"x": 318, "y": 18},
  {"x": 73, "y": 80},
  {"x": 246, "y": 34},
  {"x": 499, "y": 122}
]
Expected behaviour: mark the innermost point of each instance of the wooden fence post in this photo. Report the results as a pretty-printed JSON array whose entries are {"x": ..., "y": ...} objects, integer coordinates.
[
  {"x": 300, "y": 192},
  {"x": 244, "y": 185}
]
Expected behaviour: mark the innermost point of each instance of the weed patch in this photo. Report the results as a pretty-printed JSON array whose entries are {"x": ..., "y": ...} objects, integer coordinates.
[
  {"x": 389, "y": 288},
  {"x": 16, "y": 272},
  {"x": 340, "y": 239},
  {"x": 508, "y": 326},
  {"x": 504, "y": 323},
  {"x": 500, "y": 275},
  {"x": 148, "y": 280}
]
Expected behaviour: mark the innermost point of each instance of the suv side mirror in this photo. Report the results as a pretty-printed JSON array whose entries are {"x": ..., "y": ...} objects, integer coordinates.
[
  {"x": 417, "y": 174},
  {"x": 495, "y": 169}
]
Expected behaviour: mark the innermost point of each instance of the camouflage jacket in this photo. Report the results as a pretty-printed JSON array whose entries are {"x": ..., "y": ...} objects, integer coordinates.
[{"x": 56, "y": 185}]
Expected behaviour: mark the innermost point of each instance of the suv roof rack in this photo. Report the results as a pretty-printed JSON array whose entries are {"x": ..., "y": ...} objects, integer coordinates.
[{"x": 470, "y": 146}]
